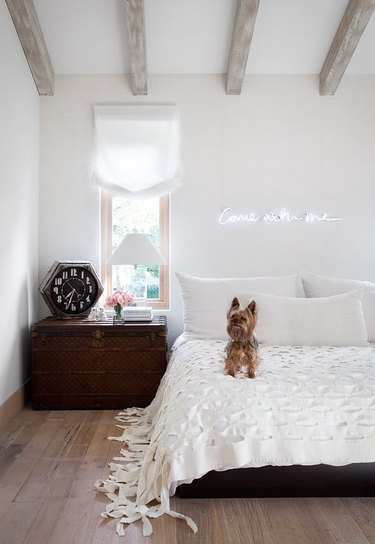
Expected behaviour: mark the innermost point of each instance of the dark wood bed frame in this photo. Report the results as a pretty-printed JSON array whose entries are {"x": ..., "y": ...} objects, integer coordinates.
[{"x": 355, "y": 480}]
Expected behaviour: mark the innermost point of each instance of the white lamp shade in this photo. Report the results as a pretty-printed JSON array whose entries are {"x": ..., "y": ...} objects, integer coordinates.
[{"x": 136, "y": 249}]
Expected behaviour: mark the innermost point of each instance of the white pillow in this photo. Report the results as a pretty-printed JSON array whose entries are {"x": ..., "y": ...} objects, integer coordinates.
[
  {"x": 316, "y": 285},
  {"x": 206, "y": 300},
  {"x": 326, "y": 321}
]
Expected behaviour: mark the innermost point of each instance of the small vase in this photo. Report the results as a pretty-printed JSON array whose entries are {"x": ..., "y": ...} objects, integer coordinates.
[{"x": 117, "y": 318}]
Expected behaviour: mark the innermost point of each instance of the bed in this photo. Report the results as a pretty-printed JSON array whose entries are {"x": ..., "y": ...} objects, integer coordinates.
[{"x": 310, "y": 409}]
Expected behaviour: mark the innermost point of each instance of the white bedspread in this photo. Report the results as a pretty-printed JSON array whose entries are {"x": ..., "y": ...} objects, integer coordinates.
[{"x": 307, "y": 405}]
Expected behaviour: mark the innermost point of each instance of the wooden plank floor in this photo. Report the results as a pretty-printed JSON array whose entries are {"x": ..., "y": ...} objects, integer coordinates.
[{"x": 50, "y": 460}]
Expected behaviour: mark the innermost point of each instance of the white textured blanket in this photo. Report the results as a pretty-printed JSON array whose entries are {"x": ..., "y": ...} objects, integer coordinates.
[{"x": 307, "y": 405}]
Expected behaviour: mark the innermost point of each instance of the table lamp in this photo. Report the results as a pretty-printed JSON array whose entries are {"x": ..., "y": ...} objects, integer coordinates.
[{"x": 137, "y": 249}]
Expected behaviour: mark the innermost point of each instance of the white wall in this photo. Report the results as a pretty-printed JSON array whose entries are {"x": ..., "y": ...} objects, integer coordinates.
[
  {"x": 19, "y": 156},
  {"x": 277, "y": 145}
]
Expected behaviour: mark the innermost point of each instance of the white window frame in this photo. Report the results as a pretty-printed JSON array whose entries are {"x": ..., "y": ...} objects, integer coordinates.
[{"x": 107, "y": 248}]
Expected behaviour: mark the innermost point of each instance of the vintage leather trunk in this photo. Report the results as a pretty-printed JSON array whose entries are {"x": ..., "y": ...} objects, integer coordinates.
[{"x": 96, "y": 365}]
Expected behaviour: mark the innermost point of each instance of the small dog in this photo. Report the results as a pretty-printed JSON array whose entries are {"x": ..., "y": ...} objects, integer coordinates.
[{"x": 242, "y": 348}]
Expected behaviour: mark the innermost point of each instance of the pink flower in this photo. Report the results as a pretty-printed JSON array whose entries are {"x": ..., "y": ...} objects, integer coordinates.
[{"x": 123, "y": 298}]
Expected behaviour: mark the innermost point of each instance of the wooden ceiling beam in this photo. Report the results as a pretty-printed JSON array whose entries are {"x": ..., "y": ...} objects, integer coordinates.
[
  {"x": 241, "y": 40},
  {"x": 137, "y": 44},
  {"x": 27, "y": 26},
  {"x": 349, "y": 32}
]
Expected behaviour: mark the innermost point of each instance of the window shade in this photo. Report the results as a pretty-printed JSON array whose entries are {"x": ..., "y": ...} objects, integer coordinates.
[{"x": 137, "y": 150}]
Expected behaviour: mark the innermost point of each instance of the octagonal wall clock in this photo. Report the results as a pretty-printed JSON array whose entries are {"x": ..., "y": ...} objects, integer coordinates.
[{"x": 71, "y": 288}]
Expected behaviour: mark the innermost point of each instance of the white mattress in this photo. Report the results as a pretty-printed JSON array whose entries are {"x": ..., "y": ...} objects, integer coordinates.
[{"x": 307, "y": 405}]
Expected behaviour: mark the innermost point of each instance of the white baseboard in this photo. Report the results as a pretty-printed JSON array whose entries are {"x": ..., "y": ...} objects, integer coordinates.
[{"x": 14, "y": 404}]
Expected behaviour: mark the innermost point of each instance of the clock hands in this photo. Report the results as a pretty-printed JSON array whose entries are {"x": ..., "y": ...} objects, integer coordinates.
[
  {"x": 70, "y": 296},
  {"x": 77, "y": 291}
]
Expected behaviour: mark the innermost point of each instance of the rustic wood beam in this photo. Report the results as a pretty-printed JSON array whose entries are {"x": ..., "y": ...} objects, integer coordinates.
[
  {"x": 30, "y": 35},
  {"x": 137, "y": 43},
  {"x": 349, "y": 32},
  {"x": 241, "y": 40}
]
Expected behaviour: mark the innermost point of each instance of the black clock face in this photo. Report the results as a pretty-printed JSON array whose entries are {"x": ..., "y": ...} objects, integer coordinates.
[{"x": 73, "y": 290}]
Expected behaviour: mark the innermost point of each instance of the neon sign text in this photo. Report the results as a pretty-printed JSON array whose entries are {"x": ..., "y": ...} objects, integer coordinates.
[{"x": 226, "y": 217}]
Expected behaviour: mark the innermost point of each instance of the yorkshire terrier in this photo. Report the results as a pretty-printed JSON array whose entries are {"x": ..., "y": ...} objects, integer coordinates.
[{"x": 242, "y": 348}]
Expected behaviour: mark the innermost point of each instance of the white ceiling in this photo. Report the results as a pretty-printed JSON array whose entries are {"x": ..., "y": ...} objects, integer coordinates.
[{"x": 194, "y": 36}]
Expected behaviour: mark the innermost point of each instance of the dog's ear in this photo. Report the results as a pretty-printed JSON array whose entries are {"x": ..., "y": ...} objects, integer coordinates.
[
  {"x": 234, "y": 306},
  {"x": 252, "y": 307},
  {"x": 235, "y": 303}
]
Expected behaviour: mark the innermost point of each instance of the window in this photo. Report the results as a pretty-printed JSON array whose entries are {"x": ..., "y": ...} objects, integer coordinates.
[
  {"x": 121, "y": 216},
  {"x": 136, "y": 158}
]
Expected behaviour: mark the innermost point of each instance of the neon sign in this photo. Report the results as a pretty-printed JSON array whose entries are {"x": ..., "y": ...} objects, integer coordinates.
[{"x": 227, "y": 217}]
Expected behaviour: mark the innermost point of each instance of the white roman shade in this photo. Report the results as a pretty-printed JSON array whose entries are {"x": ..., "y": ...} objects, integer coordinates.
[{"x": 137, "y": 149}]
